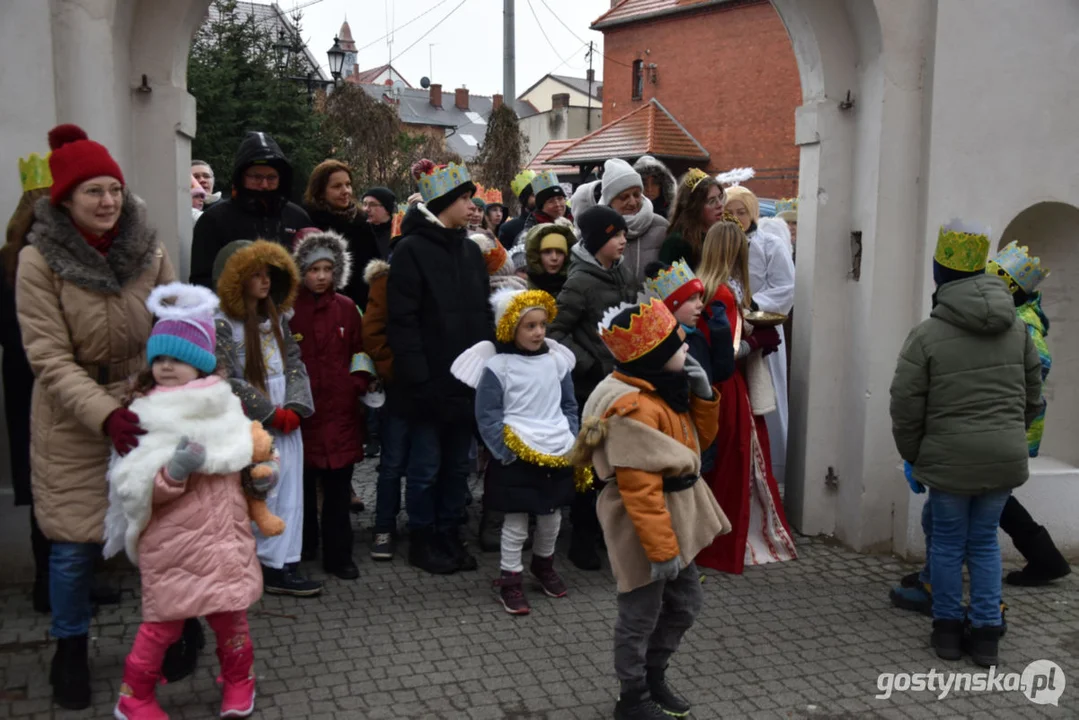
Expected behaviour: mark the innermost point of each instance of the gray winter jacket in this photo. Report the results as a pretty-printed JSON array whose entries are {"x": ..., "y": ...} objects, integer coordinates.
[
  {"x": 966, "y": 388},
  {"x": 589, "y": 290}
]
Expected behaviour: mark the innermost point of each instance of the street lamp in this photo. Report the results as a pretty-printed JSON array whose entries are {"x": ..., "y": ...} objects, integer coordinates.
[
  {"x": 336, "y": 55},
  {"x": 282, "y": 51}
]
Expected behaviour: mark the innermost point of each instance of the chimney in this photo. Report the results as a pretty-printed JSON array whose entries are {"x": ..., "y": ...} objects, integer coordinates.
[
  {"x": 436, "y": 95},
  {"x": 496, "y": 101},
  {"x": 460, "y": 99},
  {"x": 559, "y": 100}
]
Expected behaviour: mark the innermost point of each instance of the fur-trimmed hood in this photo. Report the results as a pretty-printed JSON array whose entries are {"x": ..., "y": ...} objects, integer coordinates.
[
  {"x": 375, "y": 269},
  {"x": 325, "y": 241},
  {"x": 72, "y": 259},
  {"x": 532, "y": 246},
  {"x": 239, "y": 259},
  {"x": 648, "y": 165}
]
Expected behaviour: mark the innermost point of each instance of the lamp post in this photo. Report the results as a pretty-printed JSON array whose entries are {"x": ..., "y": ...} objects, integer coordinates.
[
  {"x": 284, "y": 50},
  {"x": 336, "y": 56}
]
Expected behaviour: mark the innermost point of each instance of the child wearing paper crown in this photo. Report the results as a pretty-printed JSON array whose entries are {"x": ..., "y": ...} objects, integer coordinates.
[
  {"x": 177, "y": 506},
  {"x": 966, "y": 388},
  {"x": 527, "y": 417},
  {"x": 328, "y": 328},
  {"x": 643, "y": 429}
]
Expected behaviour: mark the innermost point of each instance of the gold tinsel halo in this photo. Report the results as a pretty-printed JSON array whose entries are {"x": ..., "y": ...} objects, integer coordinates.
[
  {"x": 582, "y": 477},
  {"x": 507, "y": 324}
]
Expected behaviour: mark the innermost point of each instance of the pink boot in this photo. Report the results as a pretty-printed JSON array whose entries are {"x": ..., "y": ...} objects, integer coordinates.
[
  {"x": 238, "y": 677},
  {"x": 137, "y": 699}
]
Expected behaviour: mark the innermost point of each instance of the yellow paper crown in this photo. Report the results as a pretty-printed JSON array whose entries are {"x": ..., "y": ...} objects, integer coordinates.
[
  {"x": 693, "y": 178},
  {"x": 649, "y": 326},
  {"x": 34, "y": 172},
  {"x": 962, "y": 247}
]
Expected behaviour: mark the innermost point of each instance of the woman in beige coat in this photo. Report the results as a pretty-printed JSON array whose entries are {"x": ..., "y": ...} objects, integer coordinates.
[{"x": 81, "y": 289}]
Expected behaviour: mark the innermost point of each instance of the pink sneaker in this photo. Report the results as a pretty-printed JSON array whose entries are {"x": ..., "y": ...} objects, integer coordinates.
[
  {"x": 138, "y": 707},
  {"x": 238, "y": 699}
]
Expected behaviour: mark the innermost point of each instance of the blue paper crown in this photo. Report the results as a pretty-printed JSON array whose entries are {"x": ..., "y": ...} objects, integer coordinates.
[
  {"x": 544, "y": 180},
  {"x": 442, "y": 181},
  {"x": 787, "y": 205},
  {"x": 1015, "y": 265},
  {"x": 668, "y": 282}
]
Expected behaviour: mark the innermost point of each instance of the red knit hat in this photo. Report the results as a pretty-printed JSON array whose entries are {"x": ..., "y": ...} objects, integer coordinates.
[{"x": 75, "y": 159}]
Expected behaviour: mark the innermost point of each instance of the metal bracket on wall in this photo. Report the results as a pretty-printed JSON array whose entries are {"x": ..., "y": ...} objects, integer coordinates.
[
  {"x": 831, "y": 480},
  {"x": 856, "y": 255},
  {"x": 848, "y": 103}
]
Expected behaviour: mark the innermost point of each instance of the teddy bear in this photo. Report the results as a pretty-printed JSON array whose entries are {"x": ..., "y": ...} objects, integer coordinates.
[{"x": 258, "y": 479}]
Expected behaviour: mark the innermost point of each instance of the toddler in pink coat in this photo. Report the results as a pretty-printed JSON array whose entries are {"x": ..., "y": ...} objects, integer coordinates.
[{"x": 177, "y": 507}]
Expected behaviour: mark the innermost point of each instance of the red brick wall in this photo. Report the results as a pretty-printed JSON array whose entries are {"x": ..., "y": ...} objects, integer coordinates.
[{"x": 728, "y": 75}]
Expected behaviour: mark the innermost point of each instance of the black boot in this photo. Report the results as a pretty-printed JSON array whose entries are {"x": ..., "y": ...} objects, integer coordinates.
[
  {"x": 491, "y": 530},
  {"x": 288, "y": 581},
  {"x": 582, "y": 550},
  {"x": 464, "y": 560},
  {"x": 70, "y": 674},
  {"x": 42, "y": 548},
  {"x": 635, "y": 703},
  {"x": 664, "y": 695},
  {"x": 981, "y": 644},
  {"x": 426, "y": 552},
  {"x": 1044, "y": 562},
  {"x": 947, "y": 639},
  {"x": 182, "y": 657}
]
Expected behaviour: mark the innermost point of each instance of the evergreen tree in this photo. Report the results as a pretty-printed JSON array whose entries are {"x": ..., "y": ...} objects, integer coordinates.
[{"x": 502, "y": 152}]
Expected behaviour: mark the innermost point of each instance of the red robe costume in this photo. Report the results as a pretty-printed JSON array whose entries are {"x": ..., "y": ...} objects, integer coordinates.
[{"x": 742, "y": 478}]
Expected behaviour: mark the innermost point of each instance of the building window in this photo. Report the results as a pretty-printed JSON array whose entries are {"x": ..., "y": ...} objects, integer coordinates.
[{"x": 638, "y": 79}]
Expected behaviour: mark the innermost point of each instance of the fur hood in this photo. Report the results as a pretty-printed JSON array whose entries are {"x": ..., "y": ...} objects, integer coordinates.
[
  {"x": 648, "y": 165},
  {"x": 239, "y": 259},
  {"x": 332, "y": 242},
  {"x": 72, "y": 259},
  {"x": 532, "y": 246},
  {"x": 375, "y": 269}
]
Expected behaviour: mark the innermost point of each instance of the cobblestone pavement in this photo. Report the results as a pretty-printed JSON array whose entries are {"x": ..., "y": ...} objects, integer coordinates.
[{"x": 805, "y": 639}]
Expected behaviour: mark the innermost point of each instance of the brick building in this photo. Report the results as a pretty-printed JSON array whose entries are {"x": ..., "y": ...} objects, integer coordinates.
[{"x": 723, "y": 69}]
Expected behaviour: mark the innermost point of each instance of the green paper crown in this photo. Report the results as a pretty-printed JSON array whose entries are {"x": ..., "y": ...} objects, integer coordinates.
[{"x": 962, "y": 247}]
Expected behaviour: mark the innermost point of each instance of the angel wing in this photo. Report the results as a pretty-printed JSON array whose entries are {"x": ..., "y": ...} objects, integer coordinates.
[{"x": 469, "y": 365}]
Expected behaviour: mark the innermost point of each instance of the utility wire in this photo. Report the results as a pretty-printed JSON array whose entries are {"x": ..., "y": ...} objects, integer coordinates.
[
  {"x": 435, "y": 26},
  {"x": 402, "y": 27},
  {"x": 563, "y": 24},
  {"x": 544, "y": 32}
]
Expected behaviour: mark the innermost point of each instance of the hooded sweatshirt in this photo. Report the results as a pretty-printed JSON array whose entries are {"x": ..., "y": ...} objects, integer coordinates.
[
  {"x": 966, "y": 388},
  {"x": 248, "y": 214}
]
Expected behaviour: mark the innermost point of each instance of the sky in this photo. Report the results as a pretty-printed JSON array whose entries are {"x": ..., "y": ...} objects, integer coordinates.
[{"x": 467, "y": 48}]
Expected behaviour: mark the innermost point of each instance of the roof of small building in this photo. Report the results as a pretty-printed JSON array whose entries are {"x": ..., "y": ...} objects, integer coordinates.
[
  {"x": 574, "y": 83},
  {"x": 469, "y": 126},
  {"x": 273, "y": 17},
  {"x": 649, "y": 130},
  {"x": 631, "y": 11},
  {"x": 371, "y": 75},
  {"x": 540, "y": 164}
]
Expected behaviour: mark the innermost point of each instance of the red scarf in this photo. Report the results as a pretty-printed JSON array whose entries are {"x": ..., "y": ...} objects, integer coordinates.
[{"x": 101, "y": 243}]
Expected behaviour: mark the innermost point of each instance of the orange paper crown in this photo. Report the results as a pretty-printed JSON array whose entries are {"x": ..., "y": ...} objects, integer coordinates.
[
  {"x": 492, "y": 196},
  {"x": 649, "y": 326}
]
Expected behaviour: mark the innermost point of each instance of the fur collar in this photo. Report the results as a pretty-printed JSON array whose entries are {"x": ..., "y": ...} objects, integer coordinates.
[
  {"x": 337, "y": 246},
  {"x": 70, "y": 257},
  {"x": 375, "y": 269},
  {"x": 204, "y": 411}
]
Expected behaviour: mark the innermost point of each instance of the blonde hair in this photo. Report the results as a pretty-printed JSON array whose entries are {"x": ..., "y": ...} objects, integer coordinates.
[
  {"x": 747, "y": 198},
  {"x": 725, "y": 256}
]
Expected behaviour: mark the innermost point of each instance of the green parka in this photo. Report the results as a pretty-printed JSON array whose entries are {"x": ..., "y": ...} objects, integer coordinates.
[{"x": 967, "y": 386}]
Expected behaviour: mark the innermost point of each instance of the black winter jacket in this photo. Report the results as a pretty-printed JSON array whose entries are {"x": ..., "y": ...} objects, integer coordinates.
[
  {"x": 248, "y": 214},
  {"x": 507, "y": 234},
  {"x": 437, "y": 299},
  {"x": 361, "y": 246}
]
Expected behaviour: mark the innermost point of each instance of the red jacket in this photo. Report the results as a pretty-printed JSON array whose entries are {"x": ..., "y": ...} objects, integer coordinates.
[{"x": 328, "y": 329}]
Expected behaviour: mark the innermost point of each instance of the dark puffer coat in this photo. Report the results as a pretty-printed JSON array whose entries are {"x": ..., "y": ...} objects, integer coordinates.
[
  {"x": 248, "y": 214},
  {"x": 437, "y": 298}
]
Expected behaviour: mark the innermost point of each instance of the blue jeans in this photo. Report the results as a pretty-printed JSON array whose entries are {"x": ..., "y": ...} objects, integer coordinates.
[
  {"x": 71, "y": 577},
  {"x": 393, "y": 462},
  {"x": 927, "y": 529},
  {"x": 437, "y": 479},
  {"x": 965, "y": 529}
]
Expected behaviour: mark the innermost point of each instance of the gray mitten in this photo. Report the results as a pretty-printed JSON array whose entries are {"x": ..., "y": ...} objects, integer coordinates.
[
  {"x": 667, "y": 570},
  {"x": 187, "y": 458},
  {"x": 698, "y": 379}
]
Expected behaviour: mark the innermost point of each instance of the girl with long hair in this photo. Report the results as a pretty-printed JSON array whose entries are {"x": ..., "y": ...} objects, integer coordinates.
[
  {"x": 698, "y": 205},
  {"x": 257, "y": 283},
  {"x": 742, "y": 477}
]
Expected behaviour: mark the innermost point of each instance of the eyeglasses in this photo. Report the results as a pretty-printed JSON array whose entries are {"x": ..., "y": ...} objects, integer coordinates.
[
  {"x": 262, "y": 178},
  {"x": 371, "y": 204},
  {"x": 714, "y": 202}
]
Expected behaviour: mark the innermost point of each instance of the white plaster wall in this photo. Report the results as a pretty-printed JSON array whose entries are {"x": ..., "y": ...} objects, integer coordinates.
[
  {"x": 537, "y": 128},
  {"x": 540, "y": 96}
]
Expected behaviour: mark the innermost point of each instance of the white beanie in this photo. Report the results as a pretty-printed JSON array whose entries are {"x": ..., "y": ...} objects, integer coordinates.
[{"x": 618, "y": 176}]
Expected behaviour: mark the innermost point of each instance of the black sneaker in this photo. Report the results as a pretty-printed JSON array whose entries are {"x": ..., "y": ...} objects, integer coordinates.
[
  {"x": 465, "y": 560},
  {"x": 638, "y": 705},
  {"x": 383, "y": 547},
  {"x": 664, "y": 695},
  {"x": 981, "y": 644},
  {"x": 427, "y": 551},
  {"x": 345, "y": 571},
  {"x": 288, "y": 582}
]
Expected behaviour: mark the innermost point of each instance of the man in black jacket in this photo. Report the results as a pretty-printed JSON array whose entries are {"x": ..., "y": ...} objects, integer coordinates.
[
  {"x": 437, "y": 301},
  {"x": 259, "y": 208}
]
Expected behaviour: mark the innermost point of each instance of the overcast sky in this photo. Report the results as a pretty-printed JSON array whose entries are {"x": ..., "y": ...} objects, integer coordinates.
[{"x": 468, "y": 44}]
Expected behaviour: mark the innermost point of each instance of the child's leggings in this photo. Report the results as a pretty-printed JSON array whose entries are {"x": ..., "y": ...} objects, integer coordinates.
[
  {"x": 515, "y": 532},
  {"x": 234, "y": 648}
]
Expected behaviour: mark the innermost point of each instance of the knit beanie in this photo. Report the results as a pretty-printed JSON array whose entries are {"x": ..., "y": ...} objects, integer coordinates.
[
  {"x": 185, "y": 327},
  {"x": 385, "y": 198},
  {"x": 440, "y": 203},
  {"x": 618, "y": 176},
  {"x": 598, "y": 225},
  {"x": 74, "y": 159}
]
